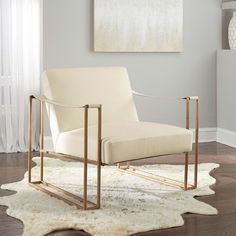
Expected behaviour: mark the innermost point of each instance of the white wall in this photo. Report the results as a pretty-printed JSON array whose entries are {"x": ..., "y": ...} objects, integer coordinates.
[
  {"x": 226, "y": 96},
  {"x": 68, "y": 42}
]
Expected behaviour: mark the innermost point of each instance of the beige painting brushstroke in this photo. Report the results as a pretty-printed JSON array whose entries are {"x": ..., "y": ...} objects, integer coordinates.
[{"x": 138, "y": 25}]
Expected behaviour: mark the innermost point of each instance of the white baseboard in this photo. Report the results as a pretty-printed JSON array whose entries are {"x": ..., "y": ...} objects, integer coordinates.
[
  {"x": 226, "y": 137},
  {"x": 205, "y": 135}
]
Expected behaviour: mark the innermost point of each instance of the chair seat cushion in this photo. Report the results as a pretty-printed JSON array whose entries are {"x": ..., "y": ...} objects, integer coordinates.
[{"x": 127, "y": 141}]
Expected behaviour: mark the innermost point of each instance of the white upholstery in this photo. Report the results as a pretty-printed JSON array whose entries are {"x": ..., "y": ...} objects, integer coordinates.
[
  {"x": 127, "y": 141},
  {"x": 108, "y": 86},
  {"x": 123, "y": 136}
]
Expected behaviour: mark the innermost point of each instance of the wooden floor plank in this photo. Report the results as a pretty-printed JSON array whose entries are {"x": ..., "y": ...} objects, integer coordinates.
[{"x": 13, "y": 167}]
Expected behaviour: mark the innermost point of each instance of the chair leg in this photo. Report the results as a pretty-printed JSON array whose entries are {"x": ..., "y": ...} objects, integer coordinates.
[
  {"x": 85, "y": 156},
  {"x": 196, "y": 167},
  {"x": 29, "y": 165},
  {"x": 196, "y": 144},
  {"x": 124, "y": 167},
  {"x": 99, "y": 153},
  {"x": 99, "y": 185},
  {"x": 41, "y": 146},
  {"x": 30, "y": 139},
  {"x": 186, "y": 172},
  {"x": 85, "y": 186}
]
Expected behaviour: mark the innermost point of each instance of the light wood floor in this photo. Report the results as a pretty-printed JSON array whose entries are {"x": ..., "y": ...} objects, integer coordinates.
[{"x": 13, "y": 167}]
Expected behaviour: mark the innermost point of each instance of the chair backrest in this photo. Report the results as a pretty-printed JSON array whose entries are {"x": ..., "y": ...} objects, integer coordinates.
[{"x": 108, "y": 86}]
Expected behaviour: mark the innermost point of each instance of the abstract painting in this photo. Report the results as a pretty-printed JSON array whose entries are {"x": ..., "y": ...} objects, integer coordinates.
[{"x": 138, "y": 25}]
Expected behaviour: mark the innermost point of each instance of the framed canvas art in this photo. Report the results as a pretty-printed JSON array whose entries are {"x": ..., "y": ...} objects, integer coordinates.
[{"x": 138, "y": 25}]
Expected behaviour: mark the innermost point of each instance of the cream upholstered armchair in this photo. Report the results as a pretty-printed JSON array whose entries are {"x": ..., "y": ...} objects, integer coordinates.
[{"x": 93, "y": 119}]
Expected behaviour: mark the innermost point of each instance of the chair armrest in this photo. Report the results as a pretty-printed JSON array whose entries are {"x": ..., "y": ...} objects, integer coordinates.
[
  {"x": 161, "y": 98},
  {"x": 188, "y": 100},
  {"x": 193, "y": 98},
  {"x": 44, "y": 99}
]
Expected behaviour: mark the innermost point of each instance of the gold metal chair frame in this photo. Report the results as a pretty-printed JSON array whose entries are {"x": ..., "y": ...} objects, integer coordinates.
[
  {"x": 83, "y": 202},
  {"x": 164, "y": 180},
  {"x": 71, "y": 199}
]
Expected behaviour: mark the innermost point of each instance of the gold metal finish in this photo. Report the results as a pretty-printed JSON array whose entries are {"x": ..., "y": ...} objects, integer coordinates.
[
  {"x": 196, "y": 143},
  {"x": 155, "y": 178},
  {"x": 167, "y": 181},
  {"x": 69, "y": 198},
  {"x": 187, "y": 154},
  {"x": 30, "y": 139},
  {"x": 187, "y": 113},
  {"x": 99, "y": 156},
  {"x": 68, "y": 157},
  {"x": 41, "y": 143},
  {"x": 80, "y": 203},
  {"x": 124, "y": 167},
  {"x": 85, "y": 155},
  {"x": 186, "y": 172},
  {"x": 84, "y": 203}
]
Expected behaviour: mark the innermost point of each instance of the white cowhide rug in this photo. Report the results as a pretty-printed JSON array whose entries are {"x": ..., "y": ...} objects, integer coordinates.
[{"x": 129, "y": 204}]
